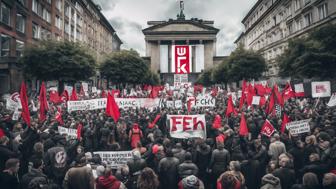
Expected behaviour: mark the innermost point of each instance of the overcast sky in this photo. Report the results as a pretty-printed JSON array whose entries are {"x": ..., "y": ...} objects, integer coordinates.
[{"x": 129, "y": 17}]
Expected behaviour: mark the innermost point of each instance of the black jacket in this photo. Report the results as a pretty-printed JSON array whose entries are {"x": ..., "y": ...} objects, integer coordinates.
[
  {"x": 219, "y": 161},
  {"x": 5, "y": 154},
  {"x": 168, "y": 172},
  {"x": 187, "y": 168},
  {"x": 28, "y": 177},
  {"x": 286, "y": 176}
]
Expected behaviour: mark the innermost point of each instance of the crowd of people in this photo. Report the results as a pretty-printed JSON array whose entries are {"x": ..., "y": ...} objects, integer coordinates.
[{"x": 39, "y": 157}]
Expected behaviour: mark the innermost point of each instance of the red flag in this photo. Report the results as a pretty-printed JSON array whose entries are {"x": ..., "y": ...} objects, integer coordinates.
[
  {"x": 262, "y": 101},
  {"x": 270, "y": 104},
  {"x": 81, "y": 91},
  {"x": 155, "y": 91},
  {"x": 2, "y": 133},
  {"x": 54, "y": 97},
  {"x": 261, "y": 90},
  {"x": 73, "y": 96},
  {"x": 24, "y": 102},
  {"x": 198, "y": 88},
  {"x": 267, "y": 129},
  {"x": 288, "y": 92},
  {"x": 230, "y": 108},
  {"x": 217, "y": 123},
  {"x": 103, "y": 94},
  {"x": 242, "y": 98},
  {"x": 58, "y": 116},
  {"x": 243, "y": 130},
  {"x": 214, "y": 92},
  {"x": 112, "y": 108},
  {"x": 151, "y": 125},
  {"x": 285, "y": 120},
  {"x": 278, "y": 95},
  {"x": 79, "y": 130},
  {"x": 189, "y": 104},
  {"x": 115, "y": 92},
  {"x": 65, "y": 96},
  {"x": 250, "y": 94},
  {"x": 43, "y": 103}
]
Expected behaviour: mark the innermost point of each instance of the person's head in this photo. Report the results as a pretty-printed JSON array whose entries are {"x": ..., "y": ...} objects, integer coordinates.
[
  {"x": 136, "y": 154},
  {"x": 38, "y": 164},
  {"x": 38, "y": 147},
  {"x": 191, "y": 182},
  {"x": 228, "y": 181},
  {"x": 310, "y": 179},
  {"x": 82, "y": 161},
  {"x": 257, "y": 143},
  {"x": 107, "y": 172},
  {"x": 147, "y": 178},
  {"x": 169, "y": 153},
  {"x": 234, "y": 166},
  {"x": 12, "y": 165},
  {"x": 314, "y": 157},
  {"x": 299, "y": 144},
  {"x": 79, "y": 149},
  {"x": 4, "y": 140},
  {"x": 188, "y": 156},
  {"x": 329, "y": 179},
  {"x": 100, "y": 170}
]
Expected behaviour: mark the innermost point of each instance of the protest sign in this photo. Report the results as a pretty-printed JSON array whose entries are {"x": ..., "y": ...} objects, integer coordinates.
[
  {"x": 256, "y": 100},
  {"x": 13, "y": 102},
  {"x": 115, "y": 159},
  {"x": 187, "y": 126},
  {"x": 298, "y": 127},
  {"x": 72, "y": 133},
  {"x": 321, "y": 89},
  {"x": 332, "y": 101}
]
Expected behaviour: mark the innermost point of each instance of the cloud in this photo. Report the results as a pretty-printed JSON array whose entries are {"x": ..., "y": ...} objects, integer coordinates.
[{"x": 129, "y": 17}]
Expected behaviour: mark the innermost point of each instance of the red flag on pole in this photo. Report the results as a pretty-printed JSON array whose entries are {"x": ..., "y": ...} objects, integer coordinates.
[
  {"x": 270, "y": 104},
  {"x": 288, "y": 92},
  {"x": 81, "y": 91},
  {"x": 54, "y": 97},
  {"x": 24, "y": 102},
  {"x": 242, "y": 98},
  {"x": 2, "y": 133},
  {"x": 151, "y": 125},
  {"x": 285, "y": 120},
  {"x": 79, "y": 130},
  {"x": 230, "y": 108},
  {"x": 217, "y": 123},
  {"x": 278, "y": 95},
  {"x": 73, "y": 96},
  {"x": 43, "y": 103},
  {"x": 112, "y": 108},
  {"x": 267, "y": 129},
  {"x": 65, "y": 96},
  {"x": 243, "y": 130},
  {"x": 103, "y": 94},
  {"x": 58, "y": 116}
]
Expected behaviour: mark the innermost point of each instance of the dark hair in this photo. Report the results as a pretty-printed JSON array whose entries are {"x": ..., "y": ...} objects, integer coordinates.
[
  {"x": 187, "y": 156},
  {"x": 11, "y": 163},
  {"x": 37, "y": 163},
  {"x": 169, "y": 153},
  {"x": 148, "y": 179},
  {"x": 228, "y": 181}
]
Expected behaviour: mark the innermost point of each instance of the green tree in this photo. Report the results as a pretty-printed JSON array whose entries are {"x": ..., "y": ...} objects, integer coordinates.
[
  {"x": 205, "y": 78},
  {"x": 241, "y": 64},
  {"x": 54, "y": 60},
  {"x": 311, "y": 56},
  {"x": 127, "y": 66}
]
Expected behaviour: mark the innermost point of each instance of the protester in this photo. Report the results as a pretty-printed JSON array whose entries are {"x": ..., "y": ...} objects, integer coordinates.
[
  {"x": 148, "y": 179},
  {"x": 79, "y": 176},
  {"x": 9, "y": 177},
  {"x": 108, "y": 181}
]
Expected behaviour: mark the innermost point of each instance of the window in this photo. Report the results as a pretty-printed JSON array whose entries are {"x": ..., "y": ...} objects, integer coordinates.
[
  {"x": 323, "y": 11},
  {"x": 66, "y": 27},
  {"x": 5, "y": 45},
  {"x": 19, "y": 48},
  {"x": 67, "y": 10},
  {"x": 289, "y": 10},
  {"x": 36, "y": 31},
  {"x": 45, "y": 34},
  {"x": 39, "y": 10},
  {"x": 20, "y": 23},
  {"x": 34, "y": 6},
  {"x": 308, "y": 19},
  {"x": 290, "y": 28},
  {"x": 297, "y": 5},
  {"x": 58, "y": 22},
  {"x": 59, "y": 5},
  {"x": 298, "y": 24},
  {"x": 5, "y": 14},
  {"x": 46, "y": 15}
]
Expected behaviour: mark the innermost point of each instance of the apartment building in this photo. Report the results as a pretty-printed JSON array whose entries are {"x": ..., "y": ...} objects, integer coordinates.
[
  {"x": 24, "y": 22},
  {"x": 271, "y": 23}
]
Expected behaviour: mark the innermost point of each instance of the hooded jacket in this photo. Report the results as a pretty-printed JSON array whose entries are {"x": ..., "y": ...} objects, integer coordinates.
[
  {"x": 108, "y": 183},
  {"x": 269, "y": 181}
]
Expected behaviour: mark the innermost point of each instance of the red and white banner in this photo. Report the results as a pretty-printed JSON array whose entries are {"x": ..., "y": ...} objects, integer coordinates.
[
  {"x": 267, "y": 129},
  {"x": 187, "y": 126},
  {"x": 13, "y": 102},
  {"x": 181, "y": 62},
  {"x": 321, "y": 89},
  {"x": 299, "y": 90}
]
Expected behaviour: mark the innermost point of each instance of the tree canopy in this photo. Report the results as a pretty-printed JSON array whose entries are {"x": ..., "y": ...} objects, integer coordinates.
[
  {"x": 241, "y": 64},
  {"x": 127, "y": 66},
  {"x": 54, "y": 60},
  {"x": 311, "y": 56}
]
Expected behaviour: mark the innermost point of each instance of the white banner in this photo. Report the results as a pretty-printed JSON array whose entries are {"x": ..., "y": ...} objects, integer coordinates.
[
  {"x": 187, "y": 126},
  {"x": 85, "y": 86},
  {"x": 202, "y": 101},
  {"x": 256, "y": 100},
  {"x": 100, "y": 103},
  {"x": 178, "y": 104},
  {"x": 332, "y": 101},
  {"x": 13, "y": 102},
  {"x": 298, "y": 127},
  {"x": 298, "y": 88},
  {"x": 68, "y": 131},
  {"x": 115, "y": 159},
  {"x": 94, "y": 89},
  {"x": 321, "y": 89}
]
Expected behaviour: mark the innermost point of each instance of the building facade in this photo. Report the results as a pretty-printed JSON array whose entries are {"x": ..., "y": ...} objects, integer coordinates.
[
  {"x": 196, "y": 35},
  {"x": 24, "y": 22},
  {"x": 271, "y": 23}
]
